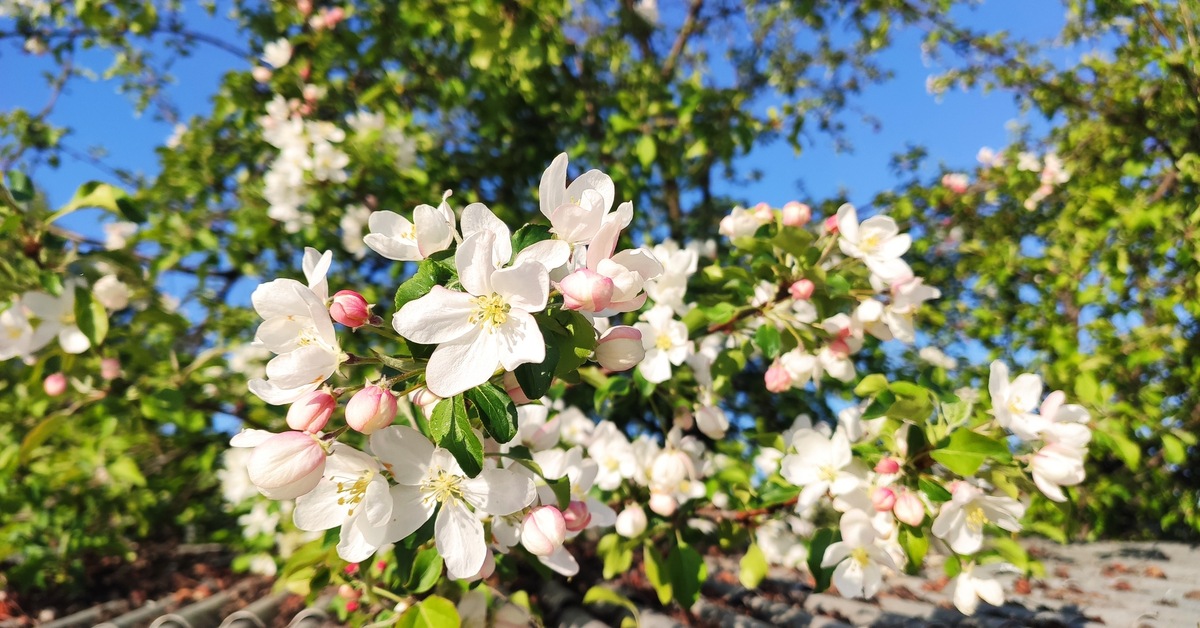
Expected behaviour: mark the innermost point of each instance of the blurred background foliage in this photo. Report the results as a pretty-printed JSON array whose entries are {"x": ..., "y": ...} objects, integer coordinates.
[{"x": 1095, "y": 287}]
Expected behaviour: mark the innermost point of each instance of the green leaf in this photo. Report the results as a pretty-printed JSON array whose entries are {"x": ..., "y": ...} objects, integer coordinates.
[
  {"x": 916, "y": 545},
  {"x": 432, "y": 612},
  {"x": 38, "y": 435},
  {"x": 535, "y": 379},
  {"x": 426, "y": 571},
  {"x": 753, "y": 567},
  {"x": 429, "y": 273},
  {"x": 870, "y": 385},
  {"x": 496, "y": 410},
  {"x": 90, "y": 316},
  {"x": 20, "y": 189},
  {"x": 461, "y": 439},
  {"x": 768, "y": 339},
  {"x": 688, "y": 572},
  {"x": 966, "y": 451},
  {"x": 562, "y": 491},
  {"x": 816, "y": 553},
  {"x": 604, "y": 595},
  {"x": 646, "y": 150},
  {"x": 617, "y": 555},
  {"x": 657, "y": 574},
  {"x": 124, "y": 469},
  {"x": 1173, "y": 450},
  {"x": 934, "y": 491},
  {"x": 612, "y": 388},
  {"x": 441, "y": 420},
  {"x": 103, "y": 196},
  {"x": 529, "y": 234}
]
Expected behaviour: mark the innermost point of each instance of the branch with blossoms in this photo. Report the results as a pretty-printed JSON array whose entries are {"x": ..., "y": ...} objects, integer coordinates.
[{"x": 498, "y": 341}]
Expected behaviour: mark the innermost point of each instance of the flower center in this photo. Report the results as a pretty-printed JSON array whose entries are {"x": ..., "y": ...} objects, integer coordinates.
[
  {"x": 828, "y": 473},
  {"x": 441, "y": 486},
  {"x": 860, "y": 556},
  {"x": 351, "y": 493},
  {"x": 663, "y": 342},
  {"x": 870, "y": 243},
  {"x": 490, "y": 311},
  {"x": 976, "y": 517}
]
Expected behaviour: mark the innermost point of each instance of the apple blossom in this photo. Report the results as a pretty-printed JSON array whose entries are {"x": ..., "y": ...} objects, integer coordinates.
[
  {"x": 278, "y": 52},
  {"x": 956, "y": 182},
  {"x": 16, "y": 333},
  {"x": 371, "y": 409},
  {"x": 586, "y": 290},
  {"x": 666, "y": 342},
  {"x": 877, "y": 242},
  {"x": 796, "y": 214},
  {"x": 488, "y": 326},
  {"x": 284, "y": 465},
  {"x": 110, "y": 369},
  {"x": 111, "y": 292},
  {"x": 887, "y": 466},
  {"x": 543, "y": 531},
  {"x": 296, "y": 325},
  {"x": 859, "y": 560},
  {"x": 740, "y": 223},
  {"x": 961, "y": 520},
  {"x": 577, "y": 211},
  {"x": 55, "y": 317},
  {"x": 350, "y": 309},
  {"x": 311, "y": 412},
  {"x": 577, "y": 516},
  {"x": 353, "y": 494},
  {"x": 978, "y": 582},
  {"x": 801, "y": 289},
  {"x": 909, "y": 507},
  {"x": 55, "y": 384},
  {"x": 777, "y": 378},
  {"x": 427, "y": 476},
  {"x": 261, "y": 74},
  {"x": 883, "y": 499},
  {"x": 820, "y": 465},
  {"x": 620, "y": 348},
  {"x": 396, "y": 238},
  {"x": 1013, "y": 402}
]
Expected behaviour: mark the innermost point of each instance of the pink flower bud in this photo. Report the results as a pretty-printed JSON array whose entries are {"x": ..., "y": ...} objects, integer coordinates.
[
  {"x": 777, "y": 378},
  {"x": 831, "y": 225},
  {"x": 110, "y": 368},
  {"x": 796, "y": 214},
  {"x": 286, "y": 465},
  {"x": 305, "y": 7},
  {"x": 513, "y": 388},
  {"x": 908, "y": 508},
  {"x": 631, "y": 522},
  {"x": 55, "y": 384},
  {"x": 577, "y": 516},
  {"x": 586, "y": 290},
  {"x": 261, "y": 74},
  {"x": 311, "y": 412},
  {"x": 348, "y": 592},
  {"x": 663, "y": 504},
  {"x": 888, "y": 466},
  {"x": 544, "y": 530},
  {"x": 350, "y": 309},
  {"x": 956, "y": 182},
  {"x": 883, "y": 499},
  {"x": 334, "y": 16},
  {"x": 801, "y": 290},
  {"x": 840, "y": 348},
  {"x": 370, "y": 409},
  {"x": 764, "y": 213},
  {"x": 620, "y": 348},
  {"x": 351, "y": 606}
]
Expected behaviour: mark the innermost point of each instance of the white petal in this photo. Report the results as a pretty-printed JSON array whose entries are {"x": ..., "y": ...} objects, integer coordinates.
[
  {"x": 561, "y": 562},
  {"x": 476, "y": 261},
  {"x": 552, "y": 188},
  {"x": 549, "y": 253},
  {"x": 460, "y": 541},
  {"x": 437, "y": 317},
  {"x": 847, "y": 222},
  {"x": 433, "y": 232},
  {"x": 319, "y": 509},
  {"x": 478, "y": 218},
  {"x": 463, "y": 363},
  {"x": 359, "y": 540},
  {"x": 282, "y": 297},
  {"x": 520, "y": 341},
  {"x": 275, "y": 395},
  {"x": 316, "y": 266},
  {"x": 499, "y": 491},
  {"x": 310, "y": 364},
  {"x": 405, "y": 451},
  {"x": 72, "y": 340},
  {"x": 525, "y": 287},
  {"x": 410, "y": 511}
]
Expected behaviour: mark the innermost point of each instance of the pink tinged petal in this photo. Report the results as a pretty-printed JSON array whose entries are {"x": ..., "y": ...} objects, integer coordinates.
[
  {"x": 561, "y": 562},
  {"x": 360, "y": 539},
  {"x": 290, "y": 463},
  {"x": 623, "y": 216},
  {"x": 552, "y": 188},
  {"x": 459, "y": 537},
  {"x": 603, "y": 244},
  {"x": 249, "y": 438},
  {"x": 463, "y": 363},
  {"x": 1048, "y": 488},
  {"x": 476, "y": 261},
  {"x": 410, "y": 511},
  {"x": 72, "y": 340},
  {"x": 281, "y": 298},
  {"x": 437, "y": 317},
  {"x": 405, "y": 451},
  {"x": 641, "y": 262},
  {"x": 499, "y": 491},
  {"x": 433, "y": 232},
  {"x": 520, "y": 341},
  {"x": 549, "y": 253},
  {"x": 477, "y": 218},
  {"x": 524, "y": 287}
]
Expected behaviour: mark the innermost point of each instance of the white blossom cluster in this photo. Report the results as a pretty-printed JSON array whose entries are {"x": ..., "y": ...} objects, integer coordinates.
[
  {"x": 33, "y": 320},
  {"x": 307, "y": 151}
]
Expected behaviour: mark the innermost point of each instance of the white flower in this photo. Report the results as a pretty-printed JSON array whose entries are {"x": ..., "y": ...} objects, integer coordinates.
[
  {"x": 576, "y": 212},
  {"x": 258, "y": 521},
  {"x": 666, "y": 342},
  {"x": 937, "y": 357},
  {"x": 978, "y": 582},
  {"x": 296, "y": 325},
  {"x": 116, "y": 234},
  {"x": 631, "y": 522},
  {"x": 820, "y": 465},
  {"x": 877, "y": 242},
  {"x": 111, "y": 292},
  {"x": 236, "y": 486},
  {"x": 427, "y": 476},
  {"x": 353, "y": 494},
  {"x": 613, "y": 455},
  {"x": 858, "y": 558},
  {"x": 711, "y": 420},
  {"x": 16, "y": 334},
  {"x": 1013, "y": 402},
  {"x": 352, "y": 223},
  {"x": 488, "y": 326},
  {"x": 278, "y": 53},
  {"x": 1057, "y": 465},
  {"x": 961, "y": 520},
  {"x": 740, "y": 223},
  {"x": 55, "y": 317},
  {"x": 394, "y": 237},
  {"x": 1028, "y": 162},
  {"x": 780, "y": 545}
]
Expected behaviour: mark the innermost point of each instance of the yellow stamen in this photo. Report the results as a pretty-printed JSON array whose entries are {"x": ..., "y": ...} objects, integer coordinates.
[{"x": 491, "y": 311}]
